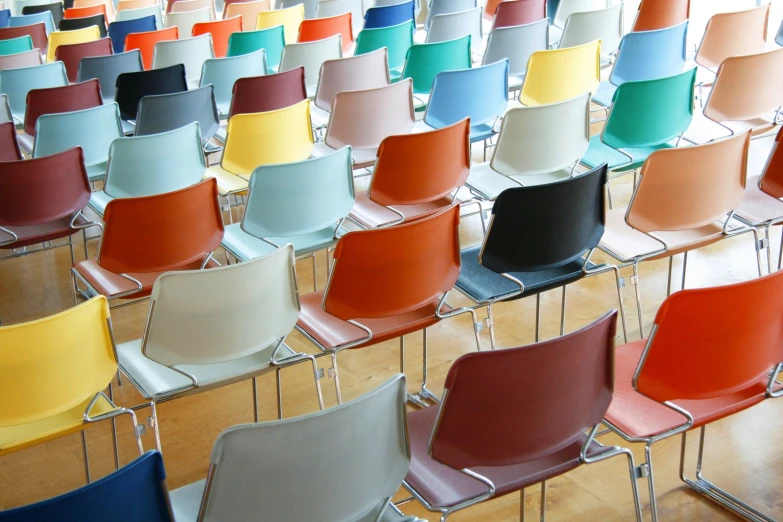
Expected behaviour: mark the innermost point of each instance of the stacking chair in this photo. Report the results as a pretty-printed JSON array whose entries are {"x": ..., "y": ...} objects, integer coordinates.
[
  {"x": 516, "y": 44},
  {"x": 223, "y": 73},
  {"x": 250, "y": 469},
  {"x": 145, "y": 42},
  {"x": 182, "y": 6},
  {"x": 290, "y": 18},
  {"x": 310, "y": 7},
  {"x": 413, "y": 178},
  {"x": 132, "y": 87},
  {"x": 537, "y": 145},
  {"x": 5, "y": 15},
  {"x": 55, "y": 8},
  {"x": 16, "y": 83},
  {"x": 563, "y": 9},
  {"x": 86, "y": 11},
  {"x": 17, "y": 6},
  {"x": 93, "y": 130},
  {"x": 515, "y": 12},
  {"x": 168, "y": 112},
  {"x": 107, "y": 68},
  {"x": 330, "y": 8},
  {"x": 389, "y": 15},
  {"x": 441, "y": 7},
  {"x": 544, "y": 82},
  {"x": 605, "y": 25},
  {"x": 220, "y": 30},
  {"x": 247, "y": 11},
  {"x": 424, "y": 61},
  {"x": 71, "y": 55},
  {"x": 311, "y": 56},
  {"x": 23, "y": 59},
  {"x": 733, "y": 34},
  {"x": 362, "y": 119},
  {"x": 143, "y": 12},
  {"x": 271, "y": 40},
  {"x": 185, "y": 21},
  {"x": 662, "y": 391},
  {"x": 397, "y": 39},
  {"x": 44, "y": 17},
  {"x": 119, "y": 30},
  {"x": 451, "y": 26},
  {"x": 74, "y": 24},
  {"x": 54, "y": 372},
  {"x": 324, "y": 28},
  {"x": 58, "y": 38},
  {"x": 5, "y": 109},
  {"x": 191, "y": 52},
  {"x": 659, "y": 14},
  {"x": 146, "y": 236},
  {"x": 127, "y": 5},
  {"x": 137, "y": 491},
  {"x": 20, "y": 39},
  {"x": 9, "y": 146}
]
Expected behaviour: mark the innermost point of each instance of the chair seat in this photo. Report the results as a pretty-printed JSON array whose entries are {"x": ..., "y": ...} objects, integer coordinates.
[
  {"x": 319, "y": 118},
  {"x": 488, "y": 183},
  {"x": 395, "y": 74},
  {"x": 220, "y": 135},
  {"x": 186, "y": 501},
  {"x": 639, "y": 416},
  {"x": 26, "y": 142},
  {"x": 127, "y": 127},
  {"x": 442, "y": 486},
  {"x": 758, "y": 207},
  {"x": 32, "y": 234},
  {"x": 156, "y": 380},
  {"x": 372, "y": 215},
  {"x": 482, "y": 284},
  {"x": 420, "y": 100},
  {"x": 223, "y": 108},
  {"x": 227, "y": 182},
  {"x": 14, "y": 438},
  {"x": 703, "y": 130},
  {"x": 310, "y": 90},
  {"x": 245, "y": 247},
  {"x": 98, "y": 201},
  {"x": 555, "y": 34},
  {"x": 97, "y": 171},
  {"x": 515, "y": 81},
  {"x": 330, "y": 331},
  {"x": 604, "y": 95},
  {"x": 598, "y": 153},
  {"x": 362, "y": 158}
]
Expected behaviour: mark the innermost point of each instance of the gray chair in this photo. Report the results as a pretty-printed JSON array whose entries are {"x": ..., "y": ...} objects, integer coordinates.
[
  {"x": 310, "y": 6},
  {"x": 166, "y": 112},
  {"x": 5, "y": 109},
  {"x": 107, "y": 68}
]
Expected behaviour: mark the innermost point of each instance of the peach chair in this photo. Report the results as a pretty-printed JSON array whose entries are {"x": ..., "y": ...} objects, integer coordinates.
[
  {"x": 733, "y": 34},
  {"x": 247, "y": 11},
  {"x": 660, "y": 14},
  {"x": 109, "y": 4},
  {"x": 221, "y": 31},
  {"x": 320, "y": 28},
  {"x": 145, "y": 43},
  {"x": 124, "y": 5}
]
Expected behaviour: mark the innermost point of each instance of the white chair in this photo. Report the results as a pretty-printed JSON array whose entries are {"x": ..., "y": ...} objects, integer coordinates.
[
  {"x": 537, "y": 145},
  {"x": 310, "y": 7},
  {"x": 451, "y": 26},
  {"x": 185, "y": 21},
  {"x": 566, "y": 8},
  {"x": 222, "y": 73},
  {"x": 251, "y": 469},
  {"x": 192, "y": 52},
  {"x": 603, "y": 24},
  {"x": 327, "y": 8},
  {"x": 182, "y": 6},
  {"x": 439, "y": 7},
  {"x": 311, "y": 55},
  {"x": 517, "y": 44},
  {"x": 141, "y": 12}
]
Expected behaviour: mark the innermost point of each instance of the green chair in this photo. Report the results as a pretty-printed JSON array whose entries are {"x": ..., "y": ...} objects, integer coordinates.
[
  {"x": 16, "y": 45},
  {"x": 271, "y": 40},
  {"x": 424, "y": 61},
  {"x": 397, "y": 39}
]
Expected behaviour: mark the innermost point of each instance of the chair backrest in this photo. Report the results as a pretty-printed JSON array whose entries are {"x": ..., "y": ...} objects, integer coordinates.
[
  {"x": 311, "y": 55},
  {"x": 247, "y": 11},
  {"x": 391, "y": 261},
  {"x": 268, "y": 93},
  {"x": 71, "y": 55},
  {"x": 9, "y": 147},
  {"x": 83, "y": 12},
  {"x": 5, "y": 15},
  {"x": 516, "y": 44},
  {"x": 441, "y": 7},
  {"x": 19, "y": 39},
  {"x": 515, "y": 12},
  {"x": 737, "y": 93},
  {"x": 605, "y": 25},
  {"x": 181, "y": 6},
  {"x": 145, "y": 42},
  {"x": 733, "y": 34},
  {"x": 5, "y": 109},
  {"x": 143, "y": 12},
  {"x": 58, "y": 38},
  {"x": 771, "y": 180},
  {"x": 329, "y": 8},
  {"x": 647, "y": 55},
  {"x": 16, "y": 83},
  {"x": 220, "y": 30},
  {"x": 125, "y": 5},
  {"x": 17, "y": 6},
  {"x": 424, "y": 61},
  {"x": 191, "y": 52},
  {"x": 650, "y": 112},
  {"x": 354, "y": 73},
  {"x": 107, "y": 68},
  {"x": 386, "y": 16},
  {"x": 397, "y": 39},
  {"x": 324, "y": 28},
  {"x": 565, "y": 8},
  {"x": 167, "y": 112},
  {"x": 310, "y": 6},
  {"x": 265, "y": 138},
  {"x": 44, "y": 17},
  {"x": 290, "y": 18},
  {"x": 450, "y": 26},
  {"x": 185, "y": 21},
  {"x": 543, "y": 83},
  {"x": 67, "y": 98},
  {"x": 161, "y": 232},
  {"x": 659, "y": 14},
  {"x": 133, "y": 86},
  {"x": 56, "y": 8},
  {"x": 223, "y": 73},
  {"x": 271, "y": 40},
  {"x": 23, "y": 59},
  {"x": 463, "y": 429},
  {"x": 690, "y": 187},
  {"x": 246, "y": 452},
  {"x": 119, "y": 30},
  {"x": 71, "y": 350},
  {"x": 73, "y": 24}
]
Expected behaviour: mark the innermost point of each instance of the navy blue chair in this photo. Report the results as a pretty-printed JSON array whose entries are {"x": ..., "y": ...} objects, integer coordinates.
[
  {"x": 133, "y": 493},
  {"x": 389, "y": 15},
  {"x": 119, "y": 30},
  {"x": 5, "y": 16}
]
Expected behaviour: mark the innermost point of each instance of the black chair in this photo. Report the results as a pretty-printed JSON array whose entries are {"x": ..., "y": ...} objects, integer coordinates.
[
  {"x": 56, "y": 8},
  {"x": 166, "y": 112},
  {"x": 72, "y": 24},
  {"x": 539, "y": 238},
  {"x": 132, "y": 87}
]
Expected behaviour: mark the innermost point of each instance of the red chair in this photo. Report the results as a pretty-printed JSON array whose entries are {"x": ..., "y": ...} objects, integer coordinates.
[
  {"x": 515, "y": 12},
  {"x": 9, "y": 146},
  {"x": 712, "y": 352},
  {"x": 72, "y": 54},
  {"x": 85, "y": 12},
  {"x": 320, "y": 28},
  {"x": 36, "y": 31},
  {"x": 660, "y": 14},
  {"x": 221, "y": 31}
]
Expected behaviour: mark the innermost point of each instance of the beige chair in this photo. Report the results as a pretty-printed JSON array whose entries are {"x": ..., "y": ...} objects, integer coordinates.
[
  {"x": 248, "y": 11},
  {"x": 181, "y": 6},
  {"x": 185, "y": 21},
  {"x": 311, "y": 55},
  {"x": 733, "y": 34},
  {"x": 124, "y": 5}
]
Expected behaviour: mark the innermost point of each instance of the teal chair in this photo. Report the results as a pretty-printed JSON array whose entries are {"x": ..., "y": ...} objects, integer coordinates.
[
  {"x": 424, "y": 61},
  {"x": 271, "y": 40},
  {"x": 16, "y": 45},
  {"x": 223, "y": 72},
  {"x": 397, "y": 39},
  {"x": 16, "y": 83},
  {"x": 44, "y": 17}
]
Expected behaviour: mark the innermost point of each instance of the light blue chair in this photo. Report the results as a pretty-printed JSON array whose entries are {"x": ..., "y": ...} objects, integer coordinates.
[
  {"x": 44, "y": 17},
  {"x": 302, "y": 203},
  {"x": 389, "y": 15},
  {"x": 5, "y": 16},
  {"x": 5, "y": 110},
  {"x": 223, "y": 72},
  {"x": 645, "y": 55},
  {"x": 91, "y": 129},
  {"x": 120, "y": 29},
  {"x": 16, "y": 45},
  {"x": 16, "y": 83},
  {"x": 271, "y": 40},
  {"x": 439, "y": 7}
]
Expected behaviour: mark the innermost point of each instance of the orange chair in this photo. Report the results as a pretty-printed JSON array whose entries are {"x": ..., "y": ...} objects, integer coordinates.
[
  {"x": 320, "y": 28},
  {"x": 394, "y": 280},
  {"x": 84, "y": 12},
  {"x": 413, "y": 177},
  {"x": 145, "y": 42},
  {"x": 712, "y": 352},
  {"x": 221, "y": 31},
  {"x": 660, "y": 14},
  {"x": 146, "y": 236}
]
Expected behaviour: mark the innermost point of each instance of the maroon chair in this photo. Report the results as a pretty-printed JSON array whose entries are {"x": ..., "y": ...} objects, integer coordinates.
[
  {"x": 72, "y": 54},
  {"x": 532, "y": 429},
  {"x": 519, "y": 12},
  {"x": 268, "y": 93},
  {"x": 9, "y": 147},
  {"x": 74, "y": 97},
  {"x": 36, "y": 31}
]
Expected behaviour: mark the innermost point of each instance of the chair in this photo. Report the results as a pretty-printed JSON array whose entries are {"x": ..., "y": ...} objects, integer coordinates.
[
  {"x": 74, "y": 24},
  {"x": 733, "y": 34},
  {"x": 605, "y": 25},
  {"x": 325, "y": 28},
  {"x": 512, "y": 13},
  {"x": 397, "y": 39},
  {"x": 413, "y": 178},
  {"x": 546, "y": 70},
  {"x": 185, "y": 21},
  {"x": 516, "y": 44},
  {"x": 659, "y": 14},
  {"x": 110, "y": 10},
  {"x": 389, "y": 15},
  {"x": 537, "y": 145},
  {"x": 93, "y": 130},
  {"x": 124, "y": 5},
  {"x": 71, "y": 55},
  {"x": 362, "y": 119},
  {"x": 133, "y": 86},
  {"x": 220, "y": 30},
  {"x": 86, "y": 11},
  {"x": 152, "y": 164},
  {"x": 146, "y": 236},
  {"x": 145, "y": 42},
  {"x": 56, "y": 8},
  {"x": 168, "y": 112},
  {"x": 779, "y": 36},
  {"x": 23, "y": 59},
  {"x": 5, "y": 109},
  {"x": 264, "y": 138},
  {"x": 442, "y": 7},
  {"x": 16, "y": 83},
  {"x": 563, "y": 9},
  {"x": 119, "y": 31},
  {"x": 17, "y": 6},
  {"x": 44, "y": 17},
  {"x": 5, "y": 15},
  {"x": 310, "y": 6},
  {"x": 246, "y": 452},
  {"x": 330, "y": 8},
  {"x": 182, "y": 6},
  {"x": 223, "y": 73},
  {"x": 271, "y": 40},
  {"x": 424, "y": 61},
  {"x": 311, "y": 55},
  {"x": 193, "y": 53},
  {"x": 58, "y": 38},
  {"x": 9, "y": 147},
  {"x": 108, "y": 68},
  {"x": 15, "y": 40},
  {"x": 290, "y": 18},
  {"x": 247, "y": 11},
  {"x": 451, "y": 26},
  {"x": 143, "y": 12}
]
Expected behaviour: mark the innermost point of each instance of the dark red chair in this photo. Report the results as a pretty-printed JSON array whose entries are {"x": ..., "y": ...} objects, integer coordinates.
[
  {"x": 36, "y": 31},
  {"x": 72, "y": 54},
  {"x": 9, "y": 147},
  {"x": 513, "y": 418},
  {"x": 515, "y": 12}
]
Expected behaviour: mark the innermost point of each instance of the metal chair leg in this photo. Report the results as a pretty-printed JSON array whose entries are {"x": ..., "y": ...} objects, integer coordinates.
[
  {"x": 538, "y": 317},
  {"x": 336, "y": 375},
  {"x": 522, "y": 505},
  {"x": 621, "y": 302},
  {"x": 563, "y": 311},
  {"x": 768, "y": 247},
  {"x": 156, "y": 426},
  {"x": 543, "y": 502},
  {"x": 255, "y": 396},
  {"x": 648, "y": 465},
  {"x": 86, "y": 457},
  {"x": 114, "y": 430},
  {"x": 669, "y": 281},
  {"x": 491, "y": 324},
  {"x": 684, "y": 268},
  {"x": 638, "y": 292}
]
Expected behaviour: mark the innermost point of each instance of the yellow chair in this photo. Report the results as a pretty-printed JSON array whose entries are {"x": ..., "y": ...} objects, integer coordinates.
[
  {"x": 262, "y": 138},
  {"x": 561, "y": 74},
  {"x": 58, "y": 38},
  {"x": 289, "y": 18},
  {"x": 52, "y": 375}
]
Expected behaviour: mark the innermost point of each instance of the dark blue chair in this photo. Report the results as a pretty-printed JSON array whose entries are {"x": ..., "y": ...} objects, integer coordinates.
[
  {"x": 389, "y": 15},
  {"x": 5, "y": 16},
  {"x": 133, "y": 493},
  {"x": 119, "y": 30}
]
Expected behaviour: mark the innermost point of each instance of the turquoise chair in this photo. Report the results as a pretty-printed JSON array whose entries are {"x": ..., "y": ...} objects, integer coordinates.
[
  {"x": 223, "y": 72},
  {"x": 302, "y": 203},
  {"x": 397, "y": 39},
  {"x": 424, "y": 61},
  {"x": 91, "y": 129},
  {"x": 646, "y": 116},
  {"x": 16, "y": 83},
  {"x": 44, "y": 17},
  {"x": 16, "y": 45},
  {"x": 152, "y": 164},
  {"x": 271, "y": 40}
]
